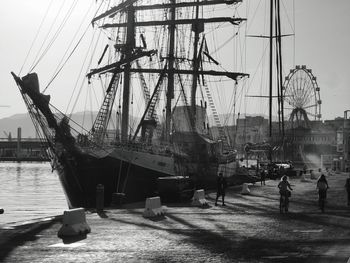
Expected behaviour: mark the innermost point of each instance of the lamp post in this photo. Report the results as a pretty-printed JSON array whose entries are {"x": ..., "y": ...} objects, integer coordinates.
[{"x": 346, "y": 140}]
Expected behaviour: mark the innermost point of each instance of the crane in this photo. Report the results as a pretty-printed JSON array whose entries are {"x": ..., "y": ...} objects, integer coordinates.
[{"x": 8, "y": 135}]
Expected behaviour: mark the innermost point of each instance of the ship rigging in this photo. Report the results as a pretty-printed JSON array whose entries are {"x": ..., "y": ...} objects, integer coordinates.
[{"x": 166, "y": 45}]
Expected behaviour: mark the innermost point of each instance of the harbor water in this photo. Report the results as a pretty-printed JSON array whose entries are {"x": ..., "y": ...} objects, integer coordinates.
[{"x": 29, "y": 191}]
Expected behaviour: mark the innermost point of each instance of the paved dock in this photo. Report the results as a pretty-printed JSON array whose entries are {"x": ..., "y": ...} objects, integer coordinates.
[{"x": 249, "y": 229}]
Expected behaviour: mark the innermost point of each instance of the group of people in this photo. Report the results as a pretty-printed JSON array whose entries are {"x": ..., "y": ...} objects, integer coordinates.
[
  {"x": 284, "y": 187},
  {"x": 321, "y": 185}
]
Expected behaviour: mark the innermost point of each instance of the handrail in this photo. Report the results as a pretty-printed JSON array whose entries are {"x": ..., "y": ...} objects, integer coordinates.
[{"x": 22, "y": 140}]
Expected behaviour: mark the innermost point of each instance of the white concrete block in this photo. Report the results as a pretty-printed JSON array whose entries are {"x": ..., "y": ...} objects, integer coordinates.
[
  {"x": 199, "y": 198},
  {"x": 314, "y": 175},
  {"x": 304, "y": 179},
  {"x": 153, "y": 207},
  {"x": 74, "y": 223},
  {"x": 245, "y": 189}
]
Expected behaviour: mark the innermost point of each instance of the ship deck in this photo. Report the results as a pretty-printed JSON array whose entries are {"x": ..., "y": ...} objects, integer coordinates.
[{"x": 249, "y": 229}]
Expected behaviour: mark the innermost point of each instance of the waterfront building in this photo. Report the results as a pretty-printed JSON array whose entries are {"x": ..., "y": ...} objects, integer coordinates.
[
  {"x": 319, "y": 143},
  {"x": 22, "y": 149}
]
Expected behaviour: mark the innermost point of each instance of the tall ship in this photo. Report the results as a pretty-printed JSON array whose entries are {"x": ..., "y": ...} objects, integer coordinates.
[{"x": 161, "y": 47}]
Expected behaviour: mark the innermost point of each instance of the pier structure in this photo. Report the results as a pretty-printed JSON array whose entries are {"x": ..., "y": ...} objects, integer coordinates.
[
  {"x": 22, "y": 149},
  {"x": 250, "y": 228}
]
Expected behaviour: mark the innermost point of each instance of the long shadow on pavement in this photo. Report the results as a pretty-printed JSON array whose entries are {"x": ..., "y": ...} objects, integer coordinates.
[
  {"x": 10, "y": 239},
  {"x": 309, "y": 217}
]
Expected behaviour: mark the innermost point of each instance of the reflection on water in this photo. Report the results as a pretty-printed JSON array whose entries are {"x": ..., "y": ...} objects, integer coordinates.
[{"x": 28, "y": 191}]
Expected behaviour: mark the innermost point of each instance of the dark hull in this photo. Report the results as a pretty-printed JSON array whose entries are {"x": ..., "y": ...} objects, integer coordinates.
[
  {"x": 80, "y": 178},
  {"x": 81, "y": 174}
]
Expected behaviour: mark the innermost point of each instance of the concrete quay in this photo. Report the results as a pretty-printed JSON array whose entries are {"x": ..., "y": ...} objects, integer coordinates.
[{"x": 249, "y": 228}]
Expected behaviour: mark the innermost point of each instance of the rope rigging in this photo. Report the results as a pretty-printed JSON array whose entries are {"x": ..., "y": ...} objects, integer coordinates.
[
  {"x": 56, "y": 34},
  {"x": 65, "y": 62},
  {"x": 92, "y": 43},
  {"x": 36, "y": 36},
  {"x": 59, "y": 68}
]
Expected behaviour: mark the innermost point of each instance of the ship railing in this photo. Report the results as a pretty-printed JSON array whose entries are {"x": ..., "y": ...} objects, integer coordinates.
[
  {"x": 22, "y": 140},
  {"x": 160, "y": 149}
]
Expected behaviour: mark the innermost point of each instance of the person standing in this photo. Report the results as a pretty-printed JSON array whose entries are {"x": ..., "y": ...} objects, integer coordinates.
[
  {"x": 304, "y": 169},
  {"x": 347, "y": 187},
  {"x": 221, "y": 189}
]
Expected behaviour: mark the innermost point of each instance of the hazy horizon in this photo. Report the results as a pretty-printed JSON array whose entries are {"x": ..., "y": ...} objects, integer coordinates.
[{"x": 320, "y": 44}]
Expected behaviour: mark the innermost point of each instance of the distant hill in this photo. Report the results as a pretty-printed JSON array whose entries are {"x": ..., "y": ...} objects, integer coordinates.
[
  {"x": 79, "y": 120},
  {"x": 10, "y": 124}
]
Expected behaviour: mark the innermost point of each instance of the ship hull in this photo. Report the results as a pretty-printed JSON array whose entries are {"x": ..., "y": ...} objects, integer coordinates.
[
  {"x": 134, "y": 179},
  {"x": 81, "y": 174}
]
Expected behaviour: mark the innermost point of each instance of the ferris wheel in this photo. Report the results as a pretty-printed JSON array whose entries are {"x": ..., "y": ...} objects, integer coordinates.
[{"x": 301, "y": 94}]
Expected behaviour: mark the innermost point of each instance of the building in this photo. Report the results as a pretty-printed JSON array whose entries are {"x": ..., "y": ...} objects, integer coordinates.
[
  {"x": 320, "y": 143},
  {"x": 19, "y": 149}
]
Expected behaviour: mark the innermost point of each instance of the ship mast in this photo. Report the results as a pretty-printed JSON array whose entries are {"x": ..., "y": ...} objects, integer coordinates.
[
  {"x": 197, "y": 27},
  {"x": 170, "y": 91},
  {"x": 129, "y": 47},
  {"x": 279, "y": 62},
  {"x": 270, "y": 69},
  {"x": 131, "y": 53},
  {"x": 275, "y": 14}
]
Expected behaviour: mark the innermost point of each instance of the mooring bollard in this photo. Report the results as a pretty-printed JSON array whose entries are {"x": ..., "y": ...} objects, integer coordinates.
[
  {"x": 303, "y": 179},
  {"x": 313, "y": 175},
  {"x": 2, "y": 211},
  {"x": 100, "y": 192}
]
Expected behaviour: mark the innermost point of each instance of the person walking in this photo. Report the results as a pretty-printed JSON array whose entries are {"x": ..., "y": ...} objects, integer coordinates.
[
  {"x": 304, "y": 169},
  {"x": 262, "y": 176},
  {"x": 221, "y": 189},
  {"x": 322, "y": 186},
  {"x": 347, "y": 187},
  {"x": 284, "y": 187}
]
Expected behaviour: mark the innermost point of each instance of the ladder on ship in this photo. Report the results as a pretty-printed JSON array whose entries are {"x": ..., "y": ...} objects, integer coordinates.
[
  {"x": 100, "y": 125},
  {"x": 151, "y": 114},
  {"x": 221, "y": 130}
]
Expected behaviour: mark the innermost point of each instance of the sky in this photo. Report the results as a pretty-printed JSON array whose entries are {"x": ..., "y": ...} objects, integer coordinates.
[{"x": 321, "y": 42}]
